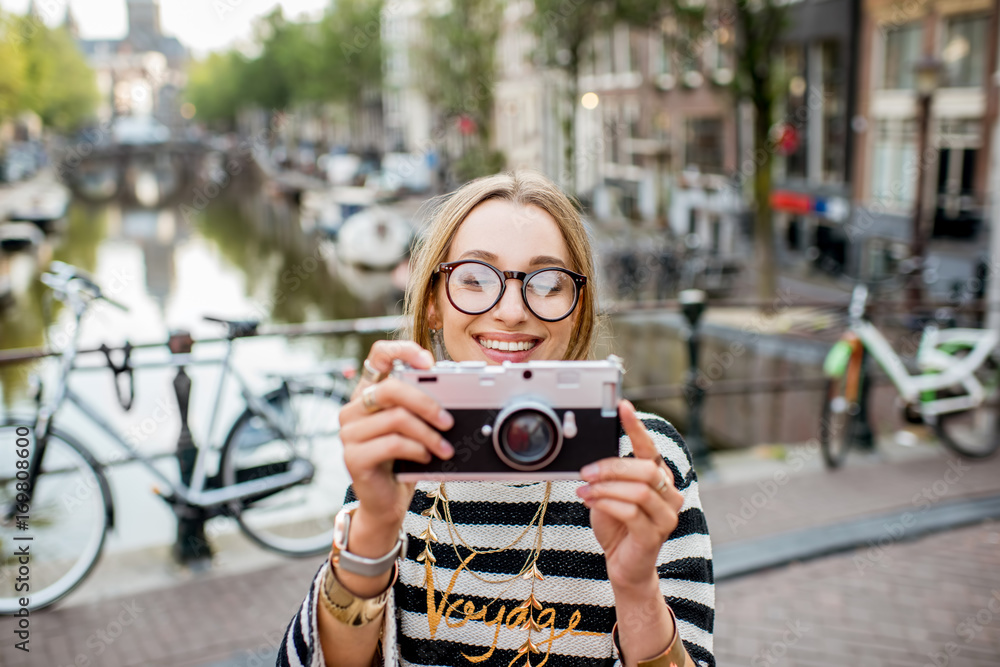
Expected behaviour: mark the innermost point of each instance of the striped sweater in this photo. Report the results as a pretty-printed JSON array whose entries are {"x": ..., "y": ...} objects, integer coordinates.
[{"x": 461, "y": 621}]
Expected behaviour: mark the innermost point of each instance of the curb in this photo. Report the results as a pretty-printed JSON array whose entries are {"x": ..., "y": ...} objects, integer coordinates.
[{"x": 748, "y": 557}]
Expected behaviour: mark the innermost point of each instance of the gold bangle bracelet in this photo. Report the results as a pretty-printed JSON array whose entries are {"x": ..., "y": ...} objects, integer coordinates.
[
  {"x": 347, "y": 607},
  {"x": 675, "y": 655}
]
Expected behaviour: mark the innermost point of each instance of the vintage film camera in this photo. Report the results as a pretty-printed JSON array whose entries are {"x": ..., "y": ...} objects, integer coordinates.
[{"x": 540, "y": 420}]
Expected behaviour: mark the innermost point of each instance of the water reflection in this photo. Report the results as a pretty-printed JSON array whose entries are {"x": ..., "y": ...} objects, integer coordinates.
[{"x": 243, "y": 256}]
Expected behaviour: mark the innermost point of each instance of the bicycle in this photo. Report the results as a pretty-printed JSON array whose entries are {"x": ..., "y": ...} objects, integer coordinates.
[
  {"x": 956, "y": 389},
  {"x": 275, "y": 466}
]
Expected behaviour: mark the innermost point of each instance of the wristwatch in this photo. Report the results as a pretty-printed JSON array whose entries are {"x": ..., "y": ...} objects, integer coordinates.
[{"x": 366, "y": 567}]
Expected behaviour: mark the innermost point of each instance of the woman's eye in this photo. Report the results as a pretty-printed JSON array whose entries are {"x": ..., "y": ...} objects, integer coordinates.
[{"x": 473, "y": 282}]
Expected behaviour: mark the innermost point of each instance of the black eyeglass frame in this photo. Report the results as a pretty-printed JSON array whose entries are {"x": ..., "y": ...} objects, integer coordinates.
[{"x": 579, "y": 282}]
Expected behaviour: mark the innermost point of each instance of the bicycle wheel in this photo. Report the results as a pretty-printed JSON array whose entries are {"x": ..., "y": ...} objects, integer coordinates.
[
  {"x": 297, "y": 521},
  {"x": 841, "y": 420},
  {"x": 68, "y": 517},
  {"x": 975, "y": 433}
]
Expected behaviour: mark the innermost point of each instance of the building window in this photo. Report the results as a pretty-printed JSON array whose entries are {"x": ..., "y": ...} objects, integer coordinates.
[
  {"x": 665, "y": 54},
  {"x": 894, "y": 164},
  {"x": 625, "y": 59},
  {"x": 632, "y": 127},
  {"x": 903, "y": 46},
  {"x": 703, "y": 144},
  {"x": 964, "y": 51},
  {"x": 834, "y": 114},
  {"x": 603, "y": 61},
  {"x": 957, "y": 212}
]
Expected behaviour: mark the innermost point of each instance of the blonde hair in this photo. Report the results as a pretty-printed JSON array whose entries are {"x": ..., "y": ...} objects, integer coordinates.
[{"x": 524, "y": 188}]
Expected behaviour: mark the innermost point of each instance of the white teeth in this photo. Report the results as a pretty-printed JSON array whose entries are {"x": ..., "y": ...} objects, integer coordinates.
[{"x": 506, "y": 346}]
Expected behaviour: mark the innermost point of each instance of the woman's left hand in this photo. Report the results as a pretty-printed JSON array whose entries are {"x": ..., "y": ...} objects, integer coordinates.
[{"x": 631, "y": 511}]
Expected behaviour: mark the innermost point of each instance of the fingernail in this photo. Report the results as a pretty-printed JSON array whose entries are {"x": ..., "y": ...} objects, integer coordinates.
[
  {"x": 445, "y": 419},
  {"x": 583, "y": 491},
  {"x": 446, "y": 449},
  {"x": 589, "y": 472},
  {"x": 428, "y": 358}
]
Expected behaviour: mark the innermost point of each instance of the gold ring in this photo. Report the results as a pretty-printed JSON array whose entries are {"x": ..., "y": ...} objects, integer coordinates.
[
  {"x": 368, "y": 399},
  {"x": 664, "y": 481},
  {"x": 370, "y": 373}
]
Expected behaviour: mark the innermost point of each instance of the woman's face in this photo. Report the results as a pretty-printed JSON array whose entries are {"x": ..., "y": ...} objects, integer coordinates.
[{"x": 511, "y": 238}]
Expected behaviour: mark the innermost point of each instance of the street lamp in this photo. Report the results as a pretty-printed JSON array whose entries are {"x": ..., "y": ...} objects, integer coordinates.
[{"x": 927, "y": 73}]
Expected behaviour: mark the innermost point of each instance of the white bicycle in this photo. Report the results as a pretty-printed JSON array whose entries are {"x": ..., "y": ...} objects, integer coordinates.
[{"x": 957, "y": 389}]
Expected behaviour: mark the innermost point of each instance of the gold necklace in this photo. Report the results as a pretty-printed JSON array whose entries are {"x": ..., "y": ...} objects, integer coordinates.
[{"x": 529, "y": 570}]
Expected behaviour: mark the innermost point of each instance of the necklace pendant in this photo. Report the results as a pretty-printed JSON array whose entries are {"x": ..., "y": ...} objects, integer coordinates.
[
  {"x": 528, "y": 647},
  {"x": 533, "y": 572},
  {"x": 531, "y": 624},
  {"x": 428, "y": 534},
  {"x": 427, "y": 555}
]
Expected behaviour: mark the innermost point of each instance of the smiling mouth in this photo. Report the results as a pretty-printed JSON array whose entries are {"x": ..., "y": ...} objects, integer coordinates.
[{"x": 508, "y": 346}]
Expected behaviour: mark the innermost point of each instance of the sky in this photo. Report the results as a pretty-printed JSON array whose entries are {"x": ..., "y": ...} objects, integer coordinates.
[{"x": 201, "y": 25}]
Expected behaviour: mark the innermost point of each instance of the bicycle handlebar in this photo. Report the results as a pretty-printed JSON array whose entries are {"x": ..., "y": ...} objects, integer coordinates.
[{"x": 66, "y": 280}]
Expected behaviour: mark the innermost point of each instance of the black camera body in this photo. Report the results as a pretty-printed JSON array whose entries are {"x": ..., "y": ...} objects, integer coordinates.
[{"x": 540, "y": 420}]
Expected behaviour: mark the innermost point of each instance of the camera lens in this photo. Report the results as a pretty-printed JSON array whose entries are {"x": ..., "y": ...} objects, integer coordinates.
[{"x": 528, "y": 437}]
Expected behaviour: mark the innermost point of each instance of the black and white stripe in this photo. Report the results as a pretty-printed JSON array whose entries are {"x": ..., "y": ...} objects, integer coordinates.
[{"x": 492, "y": 514}]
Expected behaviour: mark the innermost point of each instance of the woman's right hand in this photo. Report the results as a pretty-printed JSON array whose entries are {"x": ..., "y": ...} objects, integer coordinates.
[{"x": 401, "y": 428}]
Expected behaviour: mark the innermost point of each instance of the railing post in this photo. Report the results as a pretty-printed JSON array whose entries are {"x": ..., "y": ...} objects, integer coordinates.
[
  {"x": 693, "y": 303},
  {"x": 191, "y": 544}
]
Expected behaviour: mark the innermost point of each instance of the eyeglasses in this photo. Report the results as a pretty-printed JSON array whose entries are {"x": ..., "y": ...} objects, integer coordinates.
[{"x": 475, "y": 287}]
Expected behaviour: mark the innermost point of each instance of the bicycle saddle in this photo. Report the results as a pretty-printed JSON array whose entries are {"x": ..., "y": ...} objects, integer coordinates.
[{"x": 237, "y": 328}]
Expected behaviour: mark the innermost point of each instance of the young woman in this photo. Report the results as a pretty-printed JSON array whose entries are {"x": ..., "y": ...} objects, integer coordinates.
[{"x": 614, "y": 569}]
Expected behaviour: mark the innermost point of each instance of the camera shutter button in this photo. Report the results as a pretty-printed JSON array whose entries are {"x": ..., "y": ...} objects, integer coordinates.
[
  {"x": 569, "y": 424},
  {"x": 487, "y": 430}
]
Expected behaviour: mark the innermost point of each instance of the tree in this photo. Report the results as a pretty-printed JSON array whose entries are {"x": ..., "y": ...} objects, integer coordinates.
[
  {"x": 61, "y": 88},
  {"x": 460, "y": 74},
  {"x": 43, "y": 71},
  {"x": 351, "y": 56},
  {"x": 215, "y": 87},
  {"x": 759, "y": 27},
  {"x": 12, "y": 75},
  {"x": 337, "y": 59}
]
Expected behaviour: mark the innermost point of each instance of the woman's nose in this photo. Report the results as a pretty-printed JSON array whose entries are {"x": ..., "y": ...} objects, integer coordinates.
[{"x": 511, "y": 309}]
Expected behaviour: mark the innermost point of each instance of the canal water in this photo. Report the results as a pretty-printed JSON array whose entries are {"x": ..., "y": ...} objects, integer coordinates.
[{"x": 242, "y": 256}]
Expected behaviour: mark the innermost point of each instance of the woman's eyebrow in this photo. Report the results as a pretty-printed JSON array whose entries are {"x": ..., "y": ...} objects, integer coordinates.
[
  {"x": 547, "y": 260},
  {"x": 479, "y": 254},
  {"x": 538, "y": 260}
]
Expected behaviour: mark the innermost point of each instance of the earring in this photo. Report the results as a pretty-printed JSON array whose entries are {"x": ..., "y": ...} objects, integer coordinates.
[{"x": 437, "y": 345}]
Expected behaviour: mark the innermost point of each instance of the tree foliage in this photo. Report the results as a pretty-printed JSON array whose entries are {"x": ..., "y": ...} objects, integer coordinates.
[
  {"x": 43, "y": 71},
  {"x": 215, "y": 86},
  {"x": 12, "y": 74},
  {"x": 335, "y": 59},
  {"x": 458, "y": 68}
]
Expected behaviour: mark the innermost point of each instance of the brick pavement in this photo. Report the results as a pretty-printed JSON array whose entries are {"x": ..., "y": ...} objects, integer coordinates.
[
  {"x": 870, "y": 607},
  {"x": 934, "y": 601},
  {"x": 798, "y": 493}
]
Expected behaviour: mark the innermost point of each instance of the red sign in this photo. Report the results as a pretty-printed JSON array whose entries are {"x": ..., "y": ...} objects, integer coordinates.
[{"x": 791, "y": 202}]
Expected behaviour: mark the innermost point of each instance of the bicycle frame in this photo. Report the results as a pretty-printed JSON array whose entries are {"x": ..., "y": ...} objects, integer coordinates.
[
  {"x": 941, "y": 369},
  {"x": 195, "y": 494}
]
